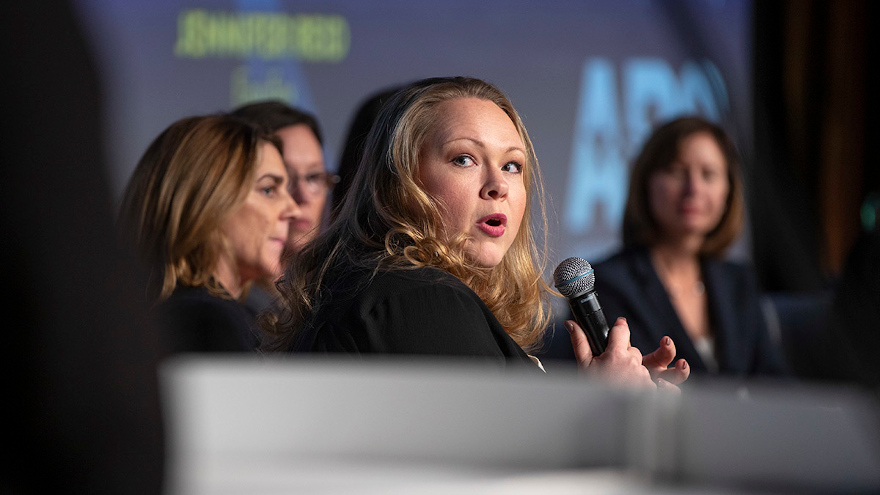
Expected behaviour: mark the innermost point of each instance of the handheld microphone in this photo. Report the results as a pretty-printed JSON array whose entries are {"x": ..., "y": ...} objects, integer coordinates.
[{"x": 574, "y": 279}]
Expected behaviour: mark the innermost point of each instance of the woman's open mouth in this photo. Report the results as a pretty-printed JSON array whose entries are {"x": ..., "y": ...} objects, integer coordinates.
[{"x": 493, "y": 225}]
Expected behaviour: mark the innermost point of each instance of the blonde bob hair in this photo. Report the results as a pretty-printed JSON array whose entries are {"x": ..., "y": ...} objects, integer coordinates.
[
  {"x": 387, "y": 221},
  {"x": 659, "y": 152},
  {"x": 191, "y": 177}
]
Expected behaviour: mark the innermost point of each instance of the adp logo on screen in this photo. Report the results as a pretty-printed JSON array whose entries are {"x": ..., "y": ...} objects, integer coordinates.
[{"x": 615, "y": 114}]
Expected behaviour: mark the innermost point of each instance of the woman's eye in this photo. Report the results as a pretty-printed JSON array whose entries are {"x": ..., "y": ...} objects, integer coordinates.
[
  {"x": 512, "y": 167},
  {"x": 269, "y": 190},
  {"x": 314, "y": 178},
  {"x": 463, "y": 161}
]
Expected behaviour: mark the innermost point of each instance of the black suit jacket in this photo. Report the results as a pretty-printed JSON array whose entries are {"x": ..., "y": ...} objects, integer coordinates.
[
  {"x": 196, "y": 321},
  {"x": 628, "y": 286},
  {"x": 423, "y": 311}
]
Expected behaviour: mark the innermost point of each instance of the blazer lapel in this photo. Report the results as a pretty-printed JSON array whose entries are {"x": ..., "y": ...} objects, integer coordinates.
[
  {"x": 722, "y": 312},
  {"x": 667, "y": 319}
]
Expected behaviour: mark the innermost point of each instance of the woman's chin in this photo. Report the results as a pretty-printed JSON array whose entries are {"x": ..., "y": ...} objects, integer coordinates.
[
  {"x": 486, "y": 258},
  {"x": 684, "y": 233}
]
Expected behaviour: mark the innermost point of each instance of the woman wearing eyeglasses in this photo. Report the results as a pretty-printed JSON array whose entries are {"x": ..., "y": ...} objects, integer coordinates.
[{"x": 310, "y": 183}]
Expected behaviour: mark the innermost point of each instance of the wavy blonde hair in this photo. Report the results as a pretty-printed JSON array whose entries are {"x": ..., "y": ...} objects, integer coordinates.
[
  {"x": 192, "y": 176},
  {"x": 387, "y": 221}
]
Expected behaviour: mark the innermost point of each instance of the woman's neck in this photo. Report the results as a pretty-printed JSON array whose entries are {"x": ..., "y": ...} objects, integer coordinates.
[
  {"x": 680, "y": 246},
  {"x": 676, "y": 264},
  {"x": 228, "y": 278},
  {"x": 678, "y": 268}
]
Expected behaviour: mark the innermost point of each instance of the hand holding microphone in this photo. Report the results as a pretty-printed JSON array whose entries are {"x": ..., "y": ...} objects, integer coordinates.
[
  {"x": 611, "y": 357},
  {"x": 574, "y": 279}
]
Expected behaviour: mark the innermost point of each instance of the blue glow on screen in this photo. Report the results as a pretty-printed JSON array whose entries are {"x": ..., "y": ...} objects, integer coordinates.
[{"x": 617, "y": 110}]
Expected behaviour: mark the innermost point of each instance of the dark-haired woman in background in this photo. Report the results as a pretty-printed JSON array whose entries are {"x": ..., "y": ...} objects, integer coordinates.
[
  {"x": 356, "y": 138},
  {"x": 309, "y": 184},
  {"x": 303, "y": 156},
  {"x": 685, "y": 208}
]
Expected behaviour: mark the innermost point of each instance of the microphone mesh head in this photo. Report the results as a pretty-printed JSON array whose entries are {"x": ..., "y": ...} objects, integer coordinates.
[{"x": 573, "y": 277}]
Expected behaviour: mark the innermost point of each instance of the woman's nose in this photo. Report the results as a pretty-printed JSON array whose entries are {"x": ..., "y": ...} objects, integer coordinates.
[
  {"x": 691, "y": 182},
  {"x": 291, "y": 207},
  {"x": 298, "y": 190},
  {"x": 495, "y": 186}
]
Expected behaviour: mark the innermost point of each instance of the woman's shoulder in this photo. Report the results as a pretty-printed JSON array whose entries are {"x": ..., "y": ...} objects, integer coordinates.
[
  {"x": 731, "y": 269},
  {"x": 623, "y": 265},
  {"x": 200, "y": 321},
  {"x": 422, "y": 283},
  {"x": 733, "y": 264},
  {"x": 186, "y": 295},
  {"x": 362, "y": 288},
  {"x": 409, "y": 279},
  {"x": 410, "y": 311},
  {"x": 199, "y": 301}
]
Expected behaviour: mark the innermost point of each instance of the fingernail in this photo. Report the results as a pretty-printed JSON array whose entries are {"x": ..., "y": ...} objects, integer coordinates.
[
  {"x": 568, "y": 326},
  {"x": 684, "y": 366},
  {"x": 667, "y": 341},
  {"x": 661, "y": 383}
]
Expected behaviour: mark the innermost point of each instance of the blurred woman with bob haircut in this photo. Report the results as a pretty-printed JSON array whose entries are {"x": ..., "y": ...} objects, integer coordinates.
[
  {"x": 684, "y": 210},
  {"x": 209, "y": 211}
]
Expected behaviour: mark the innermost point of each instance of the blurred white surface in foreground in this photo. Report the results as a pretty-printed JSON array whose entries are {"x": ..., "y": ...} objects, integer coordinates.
[{"x": 319, "y": 425}]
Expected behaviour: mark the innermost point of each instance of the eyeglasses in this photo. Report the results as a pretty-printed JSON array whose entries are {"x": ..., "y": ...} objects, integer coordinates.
[{"x": 315, "y": 183}]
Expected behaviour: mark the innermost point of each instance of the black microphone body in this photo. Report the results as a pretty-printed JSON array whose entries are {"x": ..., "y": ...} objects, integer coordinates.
[
  {"x": 588, "y": 314},
  {"x": 574, "y": 279}
]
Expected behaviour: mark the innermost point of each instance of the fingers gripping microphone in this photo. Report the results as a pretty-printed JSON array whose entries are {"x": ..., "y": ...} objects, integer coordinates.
[{"x": 574, "y": 279}]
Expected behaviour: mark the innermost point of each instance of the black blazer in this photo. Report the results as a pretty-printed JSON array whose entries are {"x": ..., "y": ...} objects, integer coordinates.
[
  {"x": 423, "y": 311},
  {"x": 628, "y": 286},
  {"x": 196, "y": 321}
]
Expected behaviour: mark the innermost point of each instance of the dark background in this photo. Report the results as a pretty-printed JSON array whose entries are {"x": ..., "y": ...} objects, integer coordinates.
[{"x": 815, "y": 156}]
